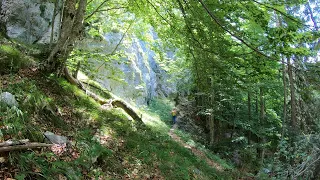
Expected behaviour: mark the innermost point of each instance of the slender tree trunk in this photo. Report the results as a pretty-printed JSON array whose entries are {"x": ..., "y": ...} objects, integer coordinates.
[
  {"x": 293, "y": 122},
  {"x": 284, "y": 97},
  {"x": 211, "y": 123},
  {"x": 314, "y": 21},
  {"x": 261, "y": 150},
  {"x": 262, "y": 108},
  {"x": 211, "y": 126},
  {"x": 257, "y": 107},
  {"x": 218, "y": 130},
  {"x": 53, "y": 22},
  {"x": 234, "y": 120},
  {"x": 249, "y": 106},
  {"x": 249, "y": 115}
]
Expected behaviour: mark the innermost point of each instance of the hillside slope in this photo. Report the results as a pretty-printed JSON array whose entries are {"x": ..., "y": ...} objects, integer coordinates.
[{"x": 104, "y": 144}]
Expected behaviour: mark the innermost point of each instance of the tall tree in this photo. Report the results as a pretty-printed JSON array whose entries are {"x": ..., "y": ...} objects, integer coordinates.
[{"x": 71, "y": 28}]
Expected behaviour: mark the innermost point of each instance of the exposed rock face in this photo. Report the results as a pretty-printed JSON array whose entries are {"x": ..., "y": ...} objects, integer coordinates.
[
  {"x": 29, "y": 20},
  {"x": 137, "y": 77}
]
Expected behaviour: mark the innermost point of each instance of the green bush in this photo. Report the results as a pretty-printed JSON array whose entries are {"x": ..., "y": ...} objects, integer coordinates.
[{"x": 11, "y": 59}]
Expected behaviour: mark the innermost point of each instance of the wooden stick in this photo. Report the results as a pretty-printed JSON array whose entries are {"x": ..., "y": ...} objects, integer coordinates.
[
  {"x": 14, "y": 142},
  {"x": 25, "y": 146}
]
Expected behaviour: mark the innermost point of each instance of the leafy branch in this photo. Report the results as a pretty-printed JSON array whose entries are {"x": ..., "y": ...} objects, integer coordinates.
[
  {"x": 217, "y": 21},
  {"x": 96, "y": 10}
]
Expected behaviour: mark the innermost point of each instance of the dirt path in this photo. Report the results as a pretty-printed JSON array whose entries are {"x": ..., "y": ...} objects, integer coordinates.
[{"x": 194, "y": 150}]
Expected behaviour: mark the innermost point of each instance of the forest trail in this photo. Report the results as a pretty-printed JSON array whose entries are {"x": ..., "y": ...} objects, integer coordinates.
[{"x": 194, "y": 150}]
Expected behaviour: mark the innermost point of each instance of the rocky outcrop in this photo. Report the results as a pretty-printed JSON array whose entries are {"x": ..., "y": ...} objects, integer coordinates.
[
  {"x": 29, "y": 21},
  {"x": 137, "y": 77}
]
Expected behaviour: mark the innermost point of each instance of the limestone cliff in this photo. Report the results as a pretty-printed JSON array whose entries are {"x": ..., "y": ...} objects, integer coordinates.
[{"x": 136, "y": 78}]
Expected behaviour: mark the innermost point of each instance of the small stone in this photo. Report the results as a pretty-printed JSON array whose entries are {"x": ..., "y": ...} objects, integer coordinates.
[
  {"x": 197, "y": 171},
  {"x": 55, "y": 139},
  {"x": 2, "y": 160},
  {"x": 8, "y": 99}
]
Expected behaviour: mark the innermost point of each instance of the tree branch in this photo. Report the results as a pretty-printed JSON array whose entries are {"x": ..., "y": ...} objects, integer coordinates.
[
  {"x": 25, "y": 146},
  {"x": 90, "y": 1},
  {"x": 104, "y": 10},
  {"x": 216, "y": 20},
  {"x": 14, "y": 142},
  {"x": 96, "y": 10}
]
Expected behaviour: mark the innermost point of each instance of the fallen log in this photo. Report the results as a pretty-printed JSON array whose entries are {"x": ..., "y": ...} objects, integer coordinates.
[
  {"x": 24, "y": 146},
  {"x": 126, "y": 108},
  {"x": 94, "y": 85},
  {"x": 116, "y": 102}
]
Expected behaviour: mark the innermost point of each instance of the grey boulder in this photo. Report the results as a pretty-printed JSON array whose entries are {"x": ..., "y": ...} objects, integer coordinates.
[
  {"x": 55, "y": 139},
  {"x": 8, "y": 99}
]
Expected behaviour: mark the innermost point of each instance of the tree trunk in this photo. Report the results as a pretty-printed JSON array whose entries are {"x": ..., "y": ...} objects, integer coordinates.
[
  {"x": 72, "y": 24},
  {"x": 211, "y": 126},
  {"x": 261, "y": 119},
  {"x": 284, "y": 97},
  {"x": 293, "y": 122},
  {"x": 262, "y": 108},
  {"x": 75, "y": 73},
  {"x": 257, "y": 107},
  {"x": 314, "y": 21},
  {"x": 249, "y": 115},
  {"x": 211, "y": 123},
  {"x": 53, "y": 22}
]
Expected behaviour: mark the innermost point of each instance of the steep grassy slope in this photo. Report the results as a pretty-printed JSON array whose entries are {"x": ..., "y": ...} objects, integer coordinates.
[{"x": 105, "y": 143}]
